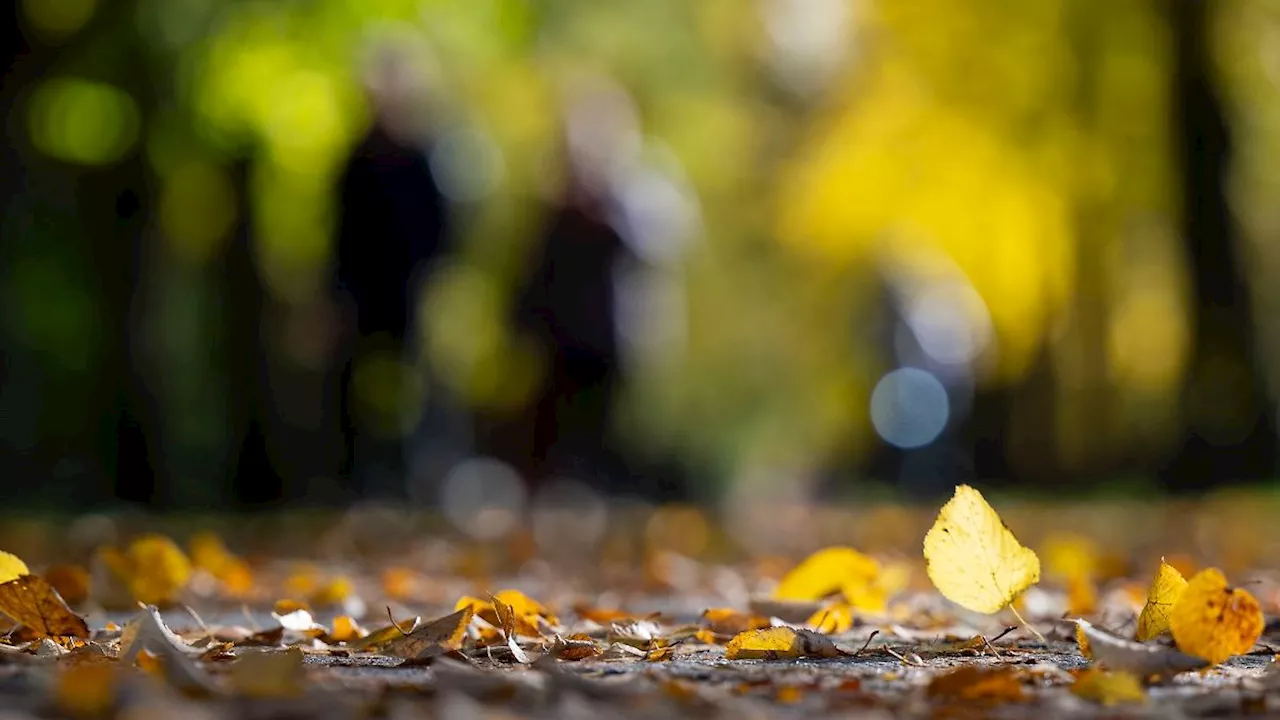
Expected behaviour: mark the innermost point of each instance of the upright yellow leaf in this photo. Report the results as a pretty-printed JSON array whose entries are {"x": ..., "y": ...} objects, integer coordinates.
[
  {"x": 973, "y": 559},
  {"x": 827, "y": 572},
  {"x": 1214, "y": 621},
  {"x": 1165, "y": 590},
  {"x": 11, "y": 567}
]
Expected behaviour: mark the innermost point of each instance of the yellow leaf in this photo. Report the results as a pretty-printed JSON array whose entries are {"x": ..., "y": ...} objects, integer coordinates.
[
  {"x": 978, "y": 684},
  {"x": 208, "y": 553},
  {"x": 399, "y": 583},
  {"x": 346, "y": 629},
  {"x": 1108, "y": 688},
  {"x": 1069, "y": 555},
  {"x": 156, "y": 570},
  {"x": 31, "y": 601},
  {"x": 973, "y": 559},
  {"x": 1083, "y": 641},
  {"x": 779, "y": 642},
  {"x": 333, "y": 592},
  {"x": 1165, "y": 590},
  {"x": 87, "y": 689},
  {"x": 727, "y": 621},
  {"x": 526, "y": 607},
  {"x": 1082, "y": 596},
  {"x": 1214, "y": 621},
  {"x": 832, "y": 620},
  {"x": 11, "y": 567},
  {"x": 275, "y": 674},
  {"x": 826, "y": 572}
]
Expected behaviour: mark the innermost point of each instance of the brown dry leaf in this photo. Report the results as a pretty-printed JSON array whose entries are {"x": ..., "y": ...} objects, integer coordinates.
[
  {"x": 1083, "y": 641},
  {"x": 978, "y": 684},
  {"x": 1166, "y": 588},
  {"x": 727, "y": 621},
  {"x": 1109, "y": 688},
  {"x": 434, "y": 638},
  {"x": 1214, "y": 621},
  {"x": 529, "y": 614},
  {"x": 269, "y": 674},
  {"x": 575, "y": 647},
  {"x": 71, "y": 582},
  {"x": 660, "y": 654},
  {"x": 86, "y": 689},
  {"x": 779, "y": 642},
  {"x": 149, "y": 642},
  {"x": 32, "y": 602},
  {"x": 382, "y": 636},
  {"x": 507, "y": 621}
]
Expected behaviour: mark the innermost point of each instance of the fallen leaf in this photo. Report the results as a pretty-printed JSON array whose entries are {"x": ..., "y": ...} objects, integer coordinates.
[
  {"x": 1214, "y": 621},
  {"x": 825, "y": 573},
  {"x": 973, "y": 559},
  {"x": 11, "y": 567},
  {"x": 1083, "y": 641},
  {"x": 86, "y": 689},
  {"x": 507, "y": 621},
  {"x": 602, "y": 616},
  {"x": 727, "y": 621},
  {"x": 298, "y": 621},
  {"x": 269, "y": 674},
  {"x": 71, "y": 582},
  {"x": 169, "y": 656},
  {"x": 210, "y": 554},
  {"x": 434, "y": 638},
  {"x": 334, "y": 591},
  {"x": 399, "y": 583},
  {"x": 1108, "y": 688},
  {"x": 33, "y": 603},
  {"x": 1082, "y": 596},
  {"x": 382, "y": 636},
  {"x": 1166, "y": 588},
  {"x": 832, "y": 620},
  {"x": 286, "y": 606},
  {"x": 574, "y": 648},
  {"x": 978, "y": 684},
  {"x": 346, "y": 629},
  {"x": 779, "y": 642},
  {"x": 154, "y": 569},
  {"x": 1116, "y": 653}
]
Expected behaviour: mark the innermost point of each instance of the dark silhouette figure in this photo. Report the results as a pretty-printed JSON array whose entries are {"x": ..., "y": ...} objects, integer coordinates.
[
  {"x": 568, "y": 305},
  {"x": 392, "y": 229}
]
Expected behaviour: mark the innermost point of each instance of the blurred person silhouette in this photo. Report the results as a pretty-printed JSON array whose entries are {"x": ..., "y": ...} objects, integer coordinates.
[
  {"x": 392, "y": 231},
  {"x": 587, "y": 280}
]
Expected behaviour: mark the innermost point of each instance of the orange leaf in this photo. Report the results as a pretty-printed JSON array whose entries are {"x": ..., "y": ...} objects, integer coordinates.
[
  {"x": 1214, "y": 621},
  {"x": 971, "y": 683},
  {"x": 86, "y": 689},
  {"x": 31, "y": 601}
]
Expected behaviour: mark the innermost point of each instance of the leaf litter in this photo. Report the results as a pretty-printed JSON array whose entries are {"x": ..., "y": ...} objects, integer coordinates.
[{"x": 965, "y": 626}]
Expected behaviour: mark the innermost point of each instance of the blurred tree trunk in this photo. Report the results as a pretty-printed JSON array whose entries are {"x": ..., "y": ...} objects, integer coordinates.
[{"x": 1229, "y": 429}]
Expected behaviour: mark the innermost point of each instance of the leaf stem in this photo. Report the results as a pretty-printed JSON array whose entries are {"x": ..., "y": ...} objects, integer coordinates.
[{"x": 1027, "y": 625}]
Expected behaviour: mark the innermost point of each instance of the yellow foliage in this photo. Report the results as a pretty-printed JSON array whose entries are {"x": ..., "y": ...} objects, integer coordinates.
[
  {"x": 153, "y": 569},
  {"x": 778, "y": 642},
  {"x": 34, "y": 603},
  {"x": 1108, "y": 688},
  {"x": 334, "y": 591},
  {"x": 11, "y": 567},
  {"x": 1214, "y": 621},
  {"x": 973, "y": 559},
  {"x": 1166, "y": 588},
  {"x": 833, "y": 619},
  {"x": 86, "y": 689},
  {"x": 208, "y": 553},
  {"x": 826, "y": 572}
]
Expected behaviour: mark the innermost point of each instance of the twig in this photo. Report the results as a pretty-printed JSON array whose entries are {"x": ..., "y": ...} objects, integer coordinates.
[
  {"x": 1027, "y": 625},
  {"x": 190, "y": 611},
  {"x": 905, "y": 661},
  {"x": 1007, "y": 630},
  {"x": 866, "y": 644},
  {"x": 395, "y": 624}
]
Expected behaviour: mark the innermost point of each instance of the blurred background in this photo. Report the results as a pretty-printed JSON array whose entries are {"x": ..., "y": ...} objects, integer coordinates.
[{"x": 477, "y": 255}]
